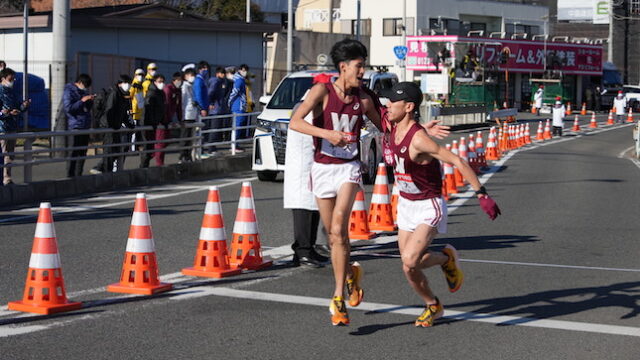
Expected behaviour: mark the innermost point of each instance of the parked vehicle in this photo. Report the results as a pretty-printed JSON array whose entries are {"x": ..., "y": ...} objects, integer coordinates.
[{"x": 270, "y": 137}]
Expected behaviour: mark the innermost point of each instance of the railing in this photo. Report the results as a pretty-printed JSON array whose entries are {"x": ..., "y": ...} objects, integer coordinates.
[{"x": 28, "y": 157}]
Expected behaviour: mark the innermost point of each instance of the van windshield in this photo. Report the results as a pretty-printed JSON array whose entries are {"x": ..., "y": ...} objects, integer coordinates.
[{"x": 290, "y": 92}]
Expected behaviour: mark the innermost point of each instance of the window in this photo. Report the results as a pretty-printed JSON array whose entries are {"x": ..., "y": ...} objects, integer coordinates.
[
  {"x": 290, "y": 92},
  {"x": 445, "y": 26},
  {"x": 365, "y": 26},
  {"x": 393, "y": 27}
]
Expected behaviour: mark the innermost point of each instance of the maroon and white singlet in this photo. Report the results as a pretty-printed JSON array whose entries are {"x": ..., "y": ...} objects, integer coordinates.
[
  {"x": 414, "y": 181},
  {"x": 340, "y": 116}
]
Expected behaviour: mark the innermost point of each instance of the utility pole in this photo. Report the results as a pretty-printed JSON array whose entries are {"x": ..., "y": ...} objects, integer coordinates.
[
  {"x": 403, "y": 73},
  {"x": 358, "y": 20},
  {"x": 290, "y": 37},
  {"x": 610, "y": 39},
  {"x": 59, "y": 61},
  {"x": 248, "y": 11},
  {"x": 25, "y": 72}
]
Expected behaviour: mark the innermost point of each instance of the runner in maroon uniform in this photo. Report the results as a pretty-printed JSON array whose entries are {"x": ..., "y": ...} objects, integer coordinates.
[
  {"x": 422, "y": 213},
  {"x": 338, "y": 108}
]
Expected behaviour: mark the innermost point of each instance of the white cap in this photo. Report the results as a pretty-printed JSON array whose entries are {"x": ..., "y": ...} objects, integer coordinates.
[
  {"x": 139, "y": 71},
  {"x": 188, "y": 66},
  {"x": 152, "y": 66},
  {"x": 558, "y": 102}
]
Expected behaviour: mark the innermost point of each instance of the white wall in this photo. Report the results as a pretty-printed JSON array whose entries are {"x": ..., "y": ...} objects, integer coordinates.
[{"x": 40, "y": 50}]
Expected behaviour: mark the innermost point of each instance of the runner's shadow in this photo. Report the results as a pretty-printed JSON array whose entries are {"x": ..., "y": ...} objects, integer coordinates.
[
  {"x": 554, "y": 303},
  {"x": 370, "y": 329}
]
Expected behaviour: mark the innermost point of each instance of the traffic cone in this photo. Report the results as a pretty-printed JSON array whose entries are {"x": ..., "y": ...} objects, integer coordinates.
[
  {"x": 547, "y": 131},
  {"x": 527, "y": 134},
  {"x": 492, "y": 151},
  {"x": 456, "y": 173},
  {"x": 358, "y": 223},
  {"x": 584, "y": 109},
  {"x": 212, "y": 257},
  {"x": 533, "y": 109},
  {"x": 482, "y": 160},
  {"x": 246, "y": 251},
  {"x": 395, "y": 197},
  {"x": 473, "y": 157},
  {"x": 44, "y": 291},
  {"x": 630, "y": 116},
  {"x": 380, "y": 216},
  {"x": 593, "y": 124},
  {"x": 610, "y": 118},
  {"x": 449, "y": 176},
  {"x": 568, "y": 112},
  {"x": 445, "y": 194},
  {"x": 576, "y": 125},
  {"x": 539, "y": 135},
  {"x": 139, "y": 267}
]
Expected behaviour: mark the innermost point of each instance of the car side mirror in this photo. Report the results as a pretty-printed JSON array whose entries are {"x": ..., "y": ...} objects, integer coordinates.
[{"x": 264, "y": 99}]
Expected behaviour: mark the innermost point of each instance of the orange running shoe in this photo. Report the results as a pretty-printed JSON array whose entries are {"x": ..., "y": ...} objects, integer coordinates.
[
  {"x": 353, "y": 285},
  {"x": 430, "y": 314},
  {"x": 338, "y": 311},
  {"x": 451, "y": 269}
]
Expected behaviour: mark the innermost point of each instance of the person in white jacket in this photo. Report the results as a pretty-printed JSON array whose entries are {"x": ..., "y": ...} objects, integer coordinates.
[
  {"x": 298, "y": 197},
  {"x": 558, "y": 115},
  {"x": 189, "y": 113},
  {"x": 537, "y": 98},
  {"x": 620, "y": 103}
]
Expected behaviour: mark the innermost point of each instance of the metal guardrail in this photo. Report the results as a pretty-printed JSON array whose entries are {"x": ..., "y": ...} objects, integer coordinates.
[{"x": 28, "y": 156}]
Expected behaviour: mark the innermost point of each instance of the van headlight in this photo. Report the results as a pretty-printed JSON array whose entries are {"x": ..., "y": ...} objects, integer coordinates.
[{"x": 265, "y": 125}]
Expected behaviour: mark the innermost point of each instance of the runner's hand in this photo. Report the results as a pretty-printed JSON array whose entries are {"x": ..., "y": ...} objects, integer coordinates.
[
  {"x": 337, "y": 138},
  {"x": 435, "y": 130},
  {"x": 489, "y": 206}
]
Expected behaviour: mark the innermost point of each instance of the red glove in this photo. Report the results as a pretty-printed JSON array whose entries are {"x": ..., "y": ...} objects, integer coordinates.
[{"x": 490, "y": 207}]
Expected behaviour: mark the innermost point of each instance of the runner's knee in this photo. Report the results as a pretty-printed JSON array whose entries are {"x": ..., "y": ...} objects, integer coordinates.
[{"x": 410, "y": 263}]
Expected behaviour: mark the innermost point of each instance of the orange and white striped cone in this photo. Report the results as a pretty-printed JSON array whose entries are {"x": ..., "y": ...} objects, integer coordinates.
[
  {"x": 44, "y": 291},
  {"x": 395, "y": 197},
  {"x": 547, "y": 131},
  {"x": 630, "y": 116},
  {"x": 473, "y": 157},
  {"x": 610, "y": 118},
  {"x": 593, "y": 124},
  {"x": 584, "y": 109},
  {"x": 576, "y": 125},
  {"x": 358, "y": 222},
  {"x": 456, "y": 173},
  {"x": 212, "y": 256},
  {"x": 539, "y": 135},
  {"x": 482, "y": 159},
  {"x": 246, "y": 251},
  {"x": 140, "y": 267},
  {"x": 527, "y": 134},
  {"x": 520, "y": 135},
  {"x": 568, "y": 112},
  {"x": 533, "y": 109},
  {"x": 380, "y": 215},
  {"x": 449, "y": 176},
  {"x": 492, "y": 150},
  {"x": 445, "y": 194}
]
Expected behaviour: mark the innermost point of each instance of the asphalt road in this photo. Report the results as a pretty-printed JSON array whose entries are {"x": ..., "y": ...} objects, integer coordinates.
[{"x": 555, "y": 277}]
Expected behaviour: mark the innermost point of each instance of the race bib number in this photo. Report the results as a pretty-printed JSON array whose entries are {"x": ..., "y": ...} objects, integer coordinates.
[
  {"x": 405, "y": 183},
  {"x": 347, "y": 152}
]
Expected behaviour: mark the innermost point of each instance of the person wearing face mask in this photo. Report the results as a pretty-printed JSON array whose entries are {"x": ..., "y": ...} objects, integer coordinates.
[
  {"x": 238, "y": 100},
  {"x": 154, "y": 109},
  {"x": 201, "y": 97},
  {"x": 216, "y": 91},
  {"x": 189, "y": 112},
  {"x": 172, "y": 114},
  {"x": 77, "y": 103},
  {"x": 152, "y": 70},
  {"x": 116, "y": 115},
  {"x": 11, "y": 109}
]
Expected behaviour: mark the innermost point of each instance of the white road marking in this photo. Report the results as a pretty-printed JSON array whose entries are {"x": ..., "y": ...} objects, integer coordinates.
[
  {"x": 399, "y": 309},
  {"x": 130, "y": 198},
  {"x": 631, "y": 158}
]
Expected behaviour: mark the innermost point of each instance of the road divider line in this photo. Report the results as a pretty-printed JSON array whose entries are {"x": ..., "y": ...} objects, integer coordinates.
[
  {"x": 72, "y": 209},
  {"x": 414, "y": 311}
]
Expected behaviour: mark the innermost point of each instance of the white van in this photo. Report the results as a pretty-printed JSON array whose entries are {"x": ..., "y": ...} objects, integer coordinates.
[{"x": 270, "y": 137}]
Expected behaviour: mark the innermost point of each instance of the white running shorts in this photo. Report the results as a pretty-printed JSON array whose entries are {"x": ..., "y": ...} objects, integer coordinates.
[
  {"x": 326, "y": 179},
  {"x": 432, "y": 212}
]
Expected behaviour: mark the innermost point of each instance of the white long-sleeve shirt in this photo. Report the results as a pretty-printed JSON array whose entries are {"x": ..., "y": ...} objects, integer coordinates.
[{"x": 558, "y": 115}]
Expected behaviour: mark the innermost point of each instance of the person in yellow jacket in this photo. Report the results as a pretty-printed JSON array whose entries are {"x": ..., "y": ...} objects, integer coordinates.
[
  {"x": 137, "y": 96},
  {"x": 152, "y": 70}
]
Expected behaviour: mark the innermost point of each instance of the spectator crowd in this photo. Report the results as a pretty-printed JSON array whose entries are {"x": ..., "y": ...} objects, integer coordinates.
[{"x": 167, "y": 104}]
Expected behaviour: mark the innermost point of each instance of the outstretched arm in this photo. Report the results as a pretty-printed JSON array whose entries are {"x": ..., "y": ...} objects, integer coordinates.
[{"x": 435, "y": 130}]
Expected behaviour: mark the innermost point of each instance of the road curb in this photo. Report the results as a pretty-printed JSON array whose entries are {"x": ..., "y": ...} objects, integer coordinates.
[{"x": 87, "y": 184}]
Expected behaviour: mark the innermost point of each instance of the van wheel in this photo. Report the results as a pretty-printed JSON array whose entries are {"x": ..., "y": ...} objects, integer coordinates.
[
  {"x": 267, "y": 175},
  {"x": 372, "y": 166}
]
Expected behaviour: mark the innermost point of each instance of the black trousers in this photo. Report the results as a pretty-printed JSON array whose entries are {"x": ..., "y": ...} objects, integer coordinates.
[
  {"x": 557, "y": 131},
  {"x": 145, "y": 157},
  {"x": 74, "y": 167},
  {"x": 305, "y": 231}
]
